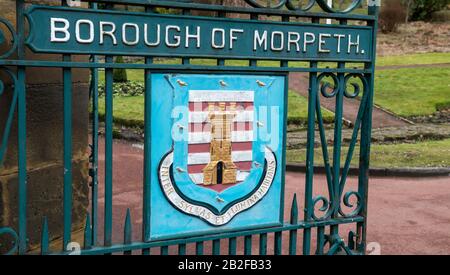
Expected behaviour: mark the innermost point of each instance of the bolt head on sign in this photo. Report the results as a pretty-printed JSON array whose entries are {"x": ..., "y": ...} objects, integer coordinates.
[{"x": 218, "y": 150}]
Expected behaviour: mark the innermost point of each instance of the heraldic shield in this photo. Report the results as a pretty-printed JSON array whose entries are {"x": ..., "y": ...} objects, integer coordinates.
[{"x": 217, "y": 147}]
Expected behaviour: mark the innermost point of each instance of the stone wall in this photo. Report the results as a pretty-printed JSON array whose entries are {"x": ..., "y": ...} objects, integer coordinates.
[{"x": 44, "y": 99}]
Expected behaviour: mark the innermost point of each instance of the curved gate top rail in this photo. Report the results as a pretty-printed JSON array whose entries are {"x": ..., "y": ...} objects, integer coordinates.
[
  {"x": 263, "y": 7},
  {"x": 338, "y": 57},
  {"x": 292, "y": 5}
]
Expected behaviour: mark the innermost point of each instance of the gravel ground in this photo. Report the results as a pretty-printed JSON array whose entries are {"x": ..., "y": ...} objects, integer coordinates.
[
  {"x": 415, "y": 37},
  {"x": 409, "y": 133}
]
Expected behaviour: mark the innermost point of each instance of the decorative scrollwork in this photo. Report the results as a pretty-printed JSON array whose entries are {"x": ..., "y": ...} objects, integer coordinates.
[
  {"x": 337, "y": 244},
  {"x": 347, "y": 203},
  {"x": 12, "y": 108},
  {"x": 325, "y": 85},
  {"x": 3, "y": 40},
  {"x": 15, "y": 239},
  {"x": 326, "y": 208},
  {"x": 305, "y": 5},
  {"x": 356, "y": 86},
  {"x": 350, "y": 7}
]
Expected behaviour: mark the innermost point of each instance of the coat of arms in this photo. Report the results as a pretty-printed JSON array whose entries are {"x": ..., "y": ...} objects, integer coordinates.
[
  {"x": 220, "y": 144},
  {"x": 220, "y": 160}
]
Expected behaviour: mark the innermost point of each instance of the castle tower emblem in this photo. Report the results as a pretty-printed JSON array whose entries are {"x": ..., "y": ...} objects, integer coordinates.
[{"x": 220, "y": 169}]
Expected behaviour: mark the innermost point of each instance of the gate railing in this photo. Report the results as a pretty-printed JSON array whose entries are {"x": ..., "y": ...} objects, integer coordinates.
[{"x": 318, "y": 213}]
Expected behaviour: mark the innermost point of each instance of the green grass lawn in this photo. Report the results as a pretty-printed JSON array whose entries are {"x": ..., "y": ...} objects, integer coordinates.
[
  {"x": 421, "y": 154},
  {"x": 417, "y": 59},
  {"x": 298, "y": 110},
  {"x": 413, "y": 92},
  {"x": 129, "y": 110}
]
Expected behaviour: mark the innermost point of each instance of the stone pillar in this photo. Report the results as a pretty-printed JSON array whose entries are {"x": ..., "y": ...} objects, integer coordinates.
[{"x": 44, "y": 100}]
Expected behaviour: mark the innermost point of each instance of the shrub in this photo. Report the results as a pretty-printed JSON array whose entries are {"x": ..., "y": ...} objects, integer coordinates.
[
  {"x": 392, "y": 14},
  {"x": 423, "y": 9},
  {"x": 130, "y": 88},
  {"x": 441, "y": 16},
  {"x": 120, "y": 75}
]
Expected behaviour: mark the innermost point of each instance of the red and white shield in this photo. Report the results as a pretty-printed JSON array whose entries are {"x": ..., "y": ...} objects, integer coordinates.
[{"x": 220, "y": 137}]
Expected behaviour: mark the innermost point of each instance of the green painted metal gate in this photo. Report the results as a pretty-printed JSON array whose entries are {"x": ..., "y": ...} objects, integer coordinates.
[{"x": 323, "y": 224}]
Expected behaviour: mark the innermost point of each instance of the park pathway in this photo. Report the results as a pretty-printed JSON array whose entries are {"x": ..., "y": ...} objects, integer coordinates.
[
  {"x": 413, "y": 66},
  {"x": 298, "y": 82},
  {"x": 406, "y": 215}
]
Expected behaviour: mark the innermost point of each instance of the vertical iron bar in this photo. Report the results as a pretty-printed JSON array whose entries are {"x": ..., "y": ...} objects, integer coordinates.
[
  {"x": 182, "y": 249},
  {"x": 94, "y": 146},
  {"x": 248, "y": 245},
  {"x": 232, "y": 246},
  {"x": 44, "y": 237},
  {"x": 293, "y": 233},
  {"x": 216, "y": 247},
  {"x": 67, "y": 133},
  {"x": 147, "y": 151},
  {"x": 309, "y": 176},
  {"x": 87, "y": 233},
  {"x": 278, "y": 241},
  {"x": 22, "y": 160},
  {"x": 164, "y": 250},
  {"x": 320, "y": 240},
  {"x": 283, "y": 159},
  {"x": 337, "y": 142},
  {"x": 199, "y": 248},
  {"x": 108, "y": 152},
  {"x": 22, "y": 119},
  {"x": 127, "y": 232},
  {"x": 67, "y": 137},
  {"x": 263, "y": 244},
  {"x": 366, "y": 132},
  {"x": 323, "y": 143}
]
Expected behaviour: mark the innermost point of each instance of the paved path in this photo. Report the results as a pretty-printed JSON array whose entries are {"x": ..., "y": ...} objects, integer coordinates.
[
  {"x": 298, "y": 82},
  {"x": 413, "y": 66},
  {"x": 406, "y": 216}
]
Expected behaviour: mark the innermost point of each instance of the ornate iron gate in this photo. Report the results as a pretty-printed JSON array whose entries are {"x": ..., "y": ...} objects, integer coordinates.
[{"x": 341, "y": 69}]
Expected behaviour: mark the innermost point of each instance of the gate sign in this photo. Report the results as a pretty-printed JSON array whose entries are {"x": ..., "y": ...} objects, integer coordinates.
[
  {"x": 217, "y": 152},
  {"x": 82, "y": 31}
]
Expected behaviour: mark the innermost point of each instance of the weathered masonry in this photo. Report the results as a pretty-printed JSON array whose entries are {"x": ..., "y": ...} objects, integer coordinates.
[{"x": 215, "y": 132}]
